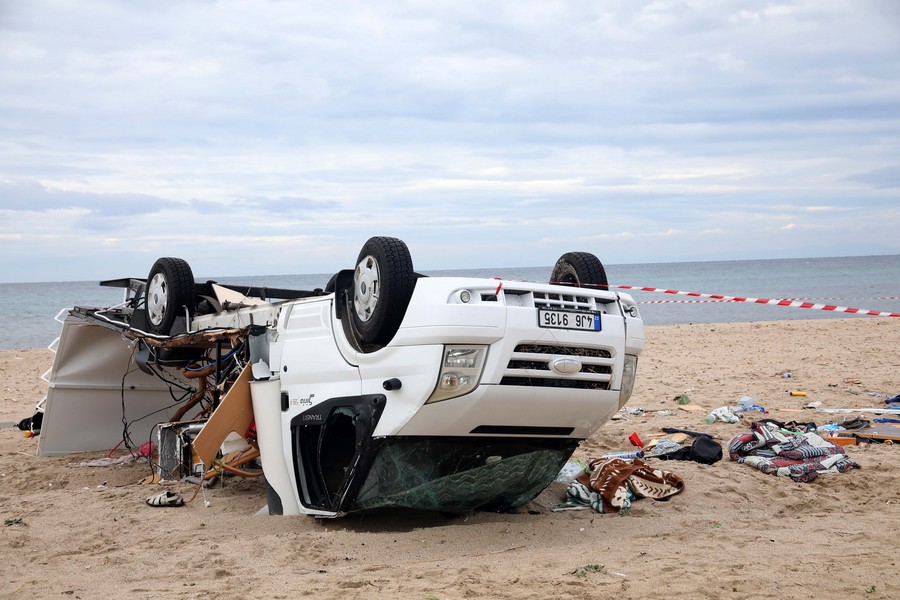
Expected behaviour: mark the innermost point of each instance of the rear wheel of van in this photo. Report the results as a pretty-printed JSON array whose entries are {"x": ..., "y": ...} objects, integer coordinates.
[
  {"x": 581, "y": 269},
  {"x": 169, "y": 291},
  {"x": 383, "y": 283}
]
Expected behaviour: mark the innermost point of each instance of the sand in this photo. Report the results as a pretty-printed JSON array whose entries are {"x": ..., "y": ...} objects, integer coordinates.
[{"x": 734, "y": 532}]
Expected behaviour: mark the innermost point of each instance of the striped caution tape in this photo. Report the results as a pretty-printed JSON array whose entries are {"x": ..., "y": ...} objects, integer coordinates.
[
  {"x": 678, "y": 301},
  {"x": 791, "y": 299},
  {"x": 852, "y": 298},
  {"x": 772, "y": 301}
]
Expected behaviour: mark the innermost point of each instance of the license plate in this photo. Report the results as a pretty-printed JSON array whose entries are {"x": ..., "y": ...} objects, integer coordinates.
[{"x": 569, "y": 319}]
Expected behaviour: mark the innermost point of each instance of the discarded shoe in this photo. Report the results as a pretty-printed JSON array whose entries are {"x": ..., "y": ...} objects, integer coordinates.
[
  {"x": 855, "y": 423},
  {"x": 167, "y": 498}
]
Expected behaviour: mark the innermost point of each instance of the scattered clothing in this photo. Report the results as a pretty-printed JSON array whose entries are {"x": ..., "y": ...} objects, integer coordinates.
[
  {"x": 800, "y": 456},
  {"x": 792, "y": 426},
  {"x": 687, "y": 431},
  {"x": 613, "y": 484},
  {"x": 893, "y": 402},
  {"x": 704, "y": 450}
]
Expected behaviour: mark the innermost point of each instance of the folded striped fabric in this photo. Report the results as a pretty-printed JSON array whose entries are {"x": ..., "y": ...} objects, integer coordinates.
[{"x": 800, "y": 456}]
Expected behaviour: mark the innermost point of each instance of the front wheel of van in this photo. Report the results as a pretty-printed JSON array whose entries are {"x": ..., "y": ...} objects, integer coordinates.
[
  {"x": 169, "y": 290},
  {"x": 581, "y": 269},
  {"x": 383, "y": 283}
]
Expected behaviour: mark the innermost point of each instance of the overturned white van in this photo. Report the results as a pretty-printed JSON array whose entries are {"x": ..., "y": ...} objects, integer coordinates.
[{"x": 385, "y": 388}]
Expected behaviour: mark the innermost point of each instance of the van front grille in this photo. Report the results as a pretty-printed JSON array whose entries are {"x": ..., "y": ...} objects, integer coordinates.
[
  {"x": 563, "y": 301},
  {"x": 530, "y": 365}
]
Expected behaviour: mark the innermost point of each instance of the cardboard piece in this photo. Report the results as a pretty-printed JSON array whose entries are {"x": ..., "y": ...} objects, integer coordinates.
[
  {"x": 235, "y": 413},
  {"x": 847, "y": 411},
  {"x": 223, "y": 295},
  {"x": 881, "y": 433},
  {"x": 678, "y": 438}
]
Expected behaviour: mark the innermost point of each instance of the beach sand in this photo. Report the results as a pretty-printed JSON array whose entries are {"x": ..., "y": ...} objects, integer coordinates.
[{"x": 734, "y": 532}]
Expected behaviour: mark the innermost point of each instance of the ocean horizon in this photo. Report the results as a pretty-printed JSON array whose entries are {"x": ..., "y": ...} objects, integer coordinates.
[{"x": 861, "y": 282}]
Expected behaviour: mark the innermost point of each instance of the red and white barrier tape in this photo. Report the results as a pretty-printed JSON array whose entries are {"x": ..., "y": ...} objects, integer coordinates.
[
  {"x": 772, "y": 301},
  {"x": 852, "y": 298},
  {"x": 678, "y": 301}
]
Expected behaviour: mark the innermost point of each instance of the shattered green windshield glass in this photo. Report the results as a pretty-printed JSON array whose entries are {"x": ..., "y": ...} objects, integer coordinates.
[{"x": 461, "y": 476}]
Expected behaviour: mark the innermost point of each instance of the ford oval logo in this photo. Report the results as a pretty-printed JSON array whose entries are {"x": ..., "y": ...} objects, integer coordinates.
[{"x": 566, "y": 366}]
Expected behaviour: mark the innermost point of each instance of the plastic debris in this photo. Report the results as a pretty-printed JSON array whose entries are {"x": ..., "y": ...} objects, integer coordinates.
[
  {"x": 830, "y": 427},
  {"x": 571, "y": 471},
  {"x": 723, "y": 413},
  {"x": 624, "y": 455},
  {"x": 740, "y": 408}
]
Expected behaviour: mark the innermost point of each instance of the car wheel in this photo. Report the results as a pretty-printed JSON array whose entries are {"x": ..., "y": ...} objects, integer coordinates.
[
  {"x": 383, "y": 283},
  {"x": 581, "y": 269},
  {"x": 170, "y": 288}
]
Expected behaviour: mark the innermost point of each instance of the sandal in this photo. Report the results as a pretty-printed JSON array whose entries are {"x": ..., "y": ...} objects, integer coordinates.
[{"x": 167, "y": 498}]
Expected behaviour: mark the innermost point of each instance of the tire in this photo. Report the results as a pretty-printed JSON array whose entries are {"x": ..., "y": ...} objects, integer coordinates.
[
  {"x": 383, "y": 283},
  {"x": 582, "y": 269},
  {"x": 170, "y": 288}
]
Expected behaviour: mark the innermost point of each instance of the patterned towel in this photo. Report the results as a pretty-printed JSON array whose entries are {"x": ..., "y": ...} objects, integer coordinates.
[
  {"x": 613, "y": 484},
  {"x": 800, "y": 456}
]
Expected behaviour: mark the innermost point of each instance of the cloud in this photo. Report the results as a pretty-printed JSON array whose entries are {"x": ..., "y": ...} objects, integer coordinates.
[
  {"x": 884, "y": 178},
  {"x": 34, "y": 197},
  {"x": 477, "y": 134},
  {"x": 285, "y": 206}
]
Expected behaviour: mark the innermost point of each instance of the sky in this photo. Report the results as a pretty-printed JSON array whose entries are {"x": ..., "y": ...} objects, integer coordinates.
[{"x": 258, "y": 138}]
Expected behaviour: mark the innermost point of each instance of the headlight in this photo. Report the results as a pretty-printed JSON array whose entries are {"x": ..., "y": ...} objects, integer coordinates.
[
  {"x": 628, "y": 374},
  {"x": 461, "y": 368},
  {"x": 462, "y": 358}
]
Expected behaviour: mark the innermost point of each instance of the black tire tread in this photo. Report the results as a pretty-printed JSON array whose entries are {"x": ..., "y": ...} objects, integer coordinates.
[
  {"x": 581, "y": 269},
  {"x": 181, "y": 289},
  {"x": 397, "y": 284}
]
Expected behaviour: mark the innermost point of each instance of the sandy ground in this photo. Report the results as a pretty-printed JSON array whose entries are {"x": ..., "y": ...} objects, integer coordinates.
[{"x": 72, "y": 531}]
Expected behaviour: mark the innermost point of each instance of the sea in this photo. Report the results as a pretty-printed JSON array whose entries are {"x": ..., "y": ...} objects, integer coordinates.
[{"x": 28, "y": 310}]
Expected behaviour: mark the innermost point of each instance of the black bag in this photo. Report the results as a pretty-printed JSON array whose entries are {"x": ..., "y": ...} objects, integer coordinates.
[{"x": 704, "y": 450}]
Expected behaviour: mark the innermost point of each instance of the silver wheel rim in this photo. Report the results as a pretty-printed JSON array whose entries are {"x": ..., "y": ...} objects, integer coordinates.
[
  {"x": 366, "y": 288},
  {"x": 157, "y": 298}
]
